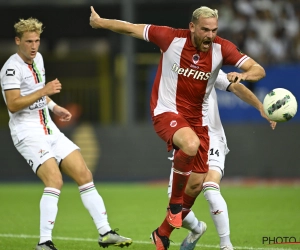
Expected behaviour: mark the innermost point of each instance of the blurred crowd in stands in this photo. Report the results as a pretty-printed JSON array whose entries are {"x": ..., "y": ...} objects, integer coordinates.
[{"x": 266, "y": 30}]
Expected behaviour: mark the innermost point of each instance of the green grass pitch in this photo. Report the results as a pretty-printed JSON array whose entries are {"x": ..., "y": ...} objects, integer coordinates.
[{"x": 137, "y": 209}]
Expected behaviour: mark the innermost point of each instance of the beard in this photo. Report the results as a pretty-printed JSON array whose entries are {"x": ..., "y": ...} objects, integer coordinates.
[
  {"x": 202, "y": 45},
  {"x": 198, "y": 43}
]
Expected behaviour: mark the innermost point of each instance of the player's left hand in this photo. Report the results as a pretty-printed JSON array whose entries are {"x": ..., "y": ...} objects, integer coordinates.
[
  {"x": 64, "y": 114},
  {"x": 272, "y": 123},
  {"x": 236, "y": 77}
]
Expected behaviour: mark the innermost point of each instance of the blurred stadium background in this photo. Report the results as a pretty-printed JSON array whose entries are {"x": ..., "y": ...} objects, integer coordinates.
[{"x": 107, "y": 80}]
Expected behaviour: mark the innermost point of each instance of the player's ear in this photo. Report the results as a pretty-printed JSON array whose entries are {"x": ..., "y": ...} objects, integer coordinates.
[
  {"x": 192, "y": 27},
  {"x": 17, "y": 40}
]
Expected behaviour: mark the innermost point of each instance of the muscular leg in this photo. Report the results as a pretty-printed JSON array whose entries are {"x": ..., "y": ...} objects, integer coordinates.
[
  {"x": 50, "y": 175},
  {"x": 218, "y": 208},
  {"x": 74, "y": 166},
  {"x": 194, "y": 185},
  {"x": 188, "y": 143},
  {"x": 193, "y": 189},
  {"x": 217, "y": 205}
]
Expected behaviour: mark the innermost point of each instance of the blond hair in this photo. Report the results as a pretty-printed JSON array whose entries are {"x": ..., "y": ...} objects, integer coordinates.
[
  {"x": 204, "y": 12},
  {"x": 28, "y": 25}
]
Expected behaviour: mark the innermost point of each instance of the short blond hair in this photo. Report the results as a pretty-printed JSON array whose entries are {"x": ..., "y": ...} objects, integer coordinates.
[
  {"x": 30, "y": 24},
  {"x": 204, "y": 12}
]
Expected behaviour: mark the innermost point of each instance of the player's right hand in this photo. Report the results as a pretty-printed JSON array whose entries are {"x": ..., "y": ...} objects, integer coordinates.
[
  {"x": 53, "y": 87},
  {"x": 93, "y": 18}
]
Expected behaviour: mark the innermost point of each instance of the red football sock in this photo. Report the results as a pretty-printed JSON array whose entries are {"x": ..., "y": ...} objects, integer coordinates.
[
  {"x": 182, "y": 168},
  {"x": 188, "y": 201}
]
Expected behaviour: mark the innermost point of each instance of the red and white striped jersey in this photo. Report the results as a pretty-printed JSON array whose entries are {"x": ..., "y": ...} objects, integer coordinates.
[
  {"x": 186, "y": 76},
  {"x": 34, "y": 119}
]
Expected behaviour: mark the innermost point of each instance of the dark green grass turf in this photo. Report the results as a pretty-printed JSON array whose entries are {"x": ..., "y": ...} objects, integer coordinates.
[{"x": 137, "y": 209}]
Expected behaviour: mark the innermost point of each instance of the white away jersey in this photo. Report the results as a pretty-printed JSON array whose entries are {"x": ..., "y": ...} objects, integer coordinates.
[
  {"x": 16, "y": 74},
  {"x": 215, "y": 127},
  {"x": 185, "y": 76}
]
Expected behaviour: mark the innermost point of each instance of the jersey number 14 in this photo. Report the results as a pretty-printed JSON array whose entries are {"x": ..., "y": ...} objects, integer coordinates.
[{"x": 214, "y": 152}]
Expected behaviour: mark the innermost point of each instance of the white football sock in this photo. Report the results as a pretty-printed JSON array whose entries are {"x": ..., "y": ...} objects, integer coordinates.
[
  {"x": 218, "y": 211},
  {"x": 93, "y": 202},
  {"x": 190, "y": 222},
  {"x": 48, "y": 212}
]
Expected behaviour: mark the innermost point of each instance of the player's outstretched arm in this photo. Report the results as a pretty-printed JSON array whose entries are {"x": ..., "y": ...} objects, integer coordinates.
[
  {"x": 246, "y": 95},
  {"x": 253, "y": 72},
  {"x": 118, "y": 26}
]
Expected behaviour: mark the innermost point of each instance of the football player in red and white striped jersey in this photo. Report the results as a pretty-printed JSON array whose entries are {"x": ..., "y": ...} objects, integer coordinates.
[{"x": 186, "y": 74}]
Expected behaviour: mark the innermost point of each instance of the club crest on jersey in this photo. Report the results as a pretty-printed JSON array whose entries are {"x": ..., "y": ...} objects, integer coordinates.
[
  {"x": 10, "y": 72},
  {"x": 173, "y": 123},
  {"x": 196, "y": 58}
]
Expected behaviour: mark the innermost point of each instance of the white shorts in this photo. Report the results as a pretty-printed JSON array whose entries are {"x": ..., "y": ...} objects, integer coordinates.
[
  {"x": 38, "y": 149},
  {"x": 217, "y": 152}
]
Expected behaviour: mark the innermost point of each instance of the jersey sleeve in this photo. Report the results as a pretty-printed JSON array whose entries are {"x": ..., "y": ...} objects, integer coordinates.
[
  {"x": 11, "y": 77},
  {"x": 232, "y": 55},
  {"x": 222, "y": 82},
  {"x": 162, "y": 36}
]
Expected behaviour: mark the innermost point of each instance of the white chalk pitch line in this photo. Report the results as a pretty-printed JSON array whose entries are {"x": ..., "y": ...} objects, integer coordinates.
[{"x": 135, "y": 242}]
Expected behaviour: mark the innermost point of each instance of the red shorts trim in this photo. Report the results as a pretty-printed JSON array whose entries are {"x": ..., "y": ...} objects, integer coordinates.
[{"x": 166, "y": 124}]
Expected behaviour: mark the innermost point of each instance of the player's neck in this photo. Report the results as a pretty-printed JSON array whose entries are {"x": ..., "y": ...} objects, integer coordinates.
[{"x": 25, "y": 59}]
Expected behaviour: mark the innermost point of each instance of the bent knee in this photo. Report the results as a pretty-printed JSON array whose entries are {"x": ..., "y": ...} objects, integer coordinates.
[
  {"x": 191, "y": 146},
  {"x": 54, "y": 182},
  {"x": 83, "y": 177}
]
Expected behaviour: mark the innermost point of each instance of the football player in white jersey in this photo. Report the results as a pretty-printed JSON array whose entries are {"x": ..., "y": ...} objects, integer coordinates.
[
  {"x": 47, "y": 151},
  {"x": 211, "y": 187}
]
